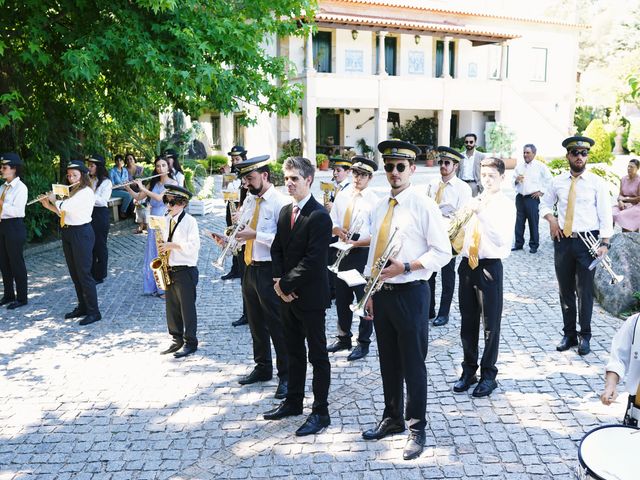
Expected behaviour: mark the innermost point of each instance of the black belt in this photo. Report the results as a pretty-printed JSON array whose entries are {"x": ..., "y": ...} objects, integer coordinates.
[
  {"x": 179, "y": 268},
  {"x": 66, "y": 225},
  {"x": 395, "y": 287},
  {"x": 469, "y": 181},
  {"x": 595, "y": 233},
  {"x": 255, "y": 263},
  {"x": 12, "y": 219}
]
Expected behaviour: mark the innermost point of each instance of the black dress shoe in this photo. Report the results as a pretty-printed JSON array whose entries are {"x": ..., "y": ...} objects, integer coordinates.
[
  {"x": 185, "y": 351},
  {"x": 283, "y": 410},
  {"x": 533, "y": 250},
  {"x": 464, "y": 383},
  {"x": 415, "y": 445},
  {"x": 388, "y": 426},
  {"x": 89, "y": 319},
  {"x": 230, "y": 276},
  {"x": 282, "y": 390},
  {"x": 338, "y": 345},
  {"x": 16, "y": 304},
  {"x": 516, "y": 248},
  {"x": 255, "y": 376},
  {"x": 583, "y": 348},
  {"x": 313, "y": 424},
  {"x": 5, "y": 300},
  {"x": 99, "y": 281},
  {"x": 75, "y": 313},
  {"x": 241, "y": 321},
  {"x": 484, "y": 388},
  {"x": 440, "y": 321},
  {"x": 174, "y": 347},
  {"x": 359, "y": 352},
  {"x": 566, "y": 343}
]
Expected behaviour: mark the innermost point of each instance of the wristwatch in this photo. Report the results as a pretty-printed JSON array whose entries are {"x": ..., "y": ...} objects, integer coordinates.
[
  {"x": 605, "y": 244},
  {"x": 407, "y": 267}
]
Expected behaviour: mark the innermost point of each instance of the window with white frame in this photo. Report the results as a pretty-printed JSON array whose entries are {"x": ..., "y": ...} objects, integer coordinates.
[
  {"x": 539, "y": 64},
  {"x": 493, "y": 65}
]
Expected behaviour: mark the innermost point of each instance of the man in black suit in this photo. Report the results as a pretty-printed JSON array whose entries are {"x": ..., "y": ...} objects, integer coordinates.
[{"x": 299, "y": 255}]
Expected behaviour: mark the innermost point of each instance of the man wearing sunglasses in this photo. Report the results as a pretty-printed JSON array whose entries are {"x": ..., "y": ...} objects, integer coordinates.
[
  {"x": 400, "y": 309},
  {"x": 469, "y": 169},
  {"x": 584, "y": 206},
  {"x": 450, "y": 193}
]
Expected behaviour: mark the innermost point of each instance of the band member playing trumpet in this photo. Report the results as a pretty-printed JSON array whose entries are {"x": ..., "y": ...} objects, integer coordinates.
[
  {"x": 181, "y": 240},
  {"x": 400, "y": 308},
  {"x": 299, "y": 254},
  {"x": 102, "y": 187},
  {"x": 487, "y": 241},
  {"x": 263, "y": 204},
  {"x": 78, "y": 239},
  {"x": 584, "y": 206},
  {"x": 342, "y": 183},
  {"x": 237, "y": 154},
  {"x": 13, "y": 233},
  {"x": 352, "y": 208},
  {"x": 450, "y": 193}
]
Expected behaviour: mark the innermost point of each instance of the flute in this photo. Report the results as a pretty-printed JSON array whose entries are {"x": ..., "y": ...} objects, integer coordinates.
[
  {"x": 58, "y": 189},
  {"x": 134, "y": 181}
]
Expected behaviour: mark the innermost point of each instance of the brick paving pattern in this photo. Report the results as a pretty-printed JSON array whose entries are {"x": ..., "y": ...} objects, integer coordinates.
[{"x": 99, "y": 402}]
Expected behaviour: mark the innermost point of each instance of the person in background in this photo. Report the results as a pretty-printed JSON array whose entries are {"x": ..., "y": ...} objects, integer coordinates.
[
  {"x": 100, "y": 217},
  {"x": 119, "y": 175},
  {"x": 469, "y": 168},
  {"x": 626, "y": 213},
  {"x": 171, "y": 156},
  {"x": 141, "y": 211},
  {"x": 158, "y": 208},
  {"x": 13, "y": 233}
]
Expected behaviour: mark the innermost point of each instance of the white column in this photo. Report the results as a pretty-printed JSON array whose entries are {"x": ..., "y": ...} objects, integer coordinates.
[
  {"x": 381, "y": 60},
  {"x": 444, "y": 127},
  {"x": 226, "y": 132},
  {"x": 308, "y": 54},
  {"x": 445, "y": 60},
  {"x": 381, "y": 115},
  {"x": 503, "y": 60}
]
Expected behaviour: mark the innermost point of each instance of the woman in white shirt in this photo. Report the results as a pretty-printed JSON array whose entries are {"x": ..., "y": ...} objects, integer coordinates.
[
  {"x": 78, "y": 239},
  {"x": 102, "y": 187}
]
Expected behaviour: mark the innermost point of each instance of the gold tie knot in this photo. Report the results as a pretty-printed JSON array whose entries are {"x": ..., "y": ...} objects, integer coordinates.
[{"x": 393, "y": 202}]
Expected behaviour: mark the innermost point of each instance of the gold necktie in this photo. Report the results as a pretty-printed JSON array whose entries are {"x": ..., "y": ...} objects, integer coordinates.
[
  {"x": 474, "y": 248},
  {"x": 385, "y": 228},
  {"x": 172, "y": 226},
  {"x": 248, "y": 249},
  {"x": 2, "y": 197},
  {"x": 347, "y": 215},
  {"x": 440, "y": 192},
  {"x": 571, "y": 205}
]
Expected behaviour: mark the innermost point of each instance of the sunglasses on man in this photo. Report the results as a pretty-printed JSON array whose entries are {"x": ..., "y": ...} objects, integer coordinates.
[
  {"x": 445, "y": 162},
  {"x": 582, "y": 153},
  {"x": 401, "y": 167},
  {"x": 170, "y": 200}
]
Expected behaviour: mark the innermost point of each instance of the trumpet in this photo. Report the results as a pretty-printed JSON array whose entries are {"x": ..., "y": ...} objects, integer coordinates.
[
  {"x": 327, "y": 189},
  {"x": 233, "y": 245},
  {"x": 593, "y": 244},
  {"x": 134, "y": 181},
  {"x": 374, "y": 283},
  {"x": 56, "y": 188},
  {"x": 353, "y": 229}
]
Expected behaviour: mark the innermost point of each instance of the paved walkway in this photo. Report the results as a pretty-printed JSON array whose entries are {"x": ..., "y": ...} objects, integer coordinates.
[{"x": 99, "y": 402}]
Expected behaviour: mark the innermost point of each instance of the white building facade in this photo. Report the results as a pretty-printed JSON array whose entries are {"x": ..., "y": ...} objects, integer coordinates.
[{"x": 374, "y": 63}]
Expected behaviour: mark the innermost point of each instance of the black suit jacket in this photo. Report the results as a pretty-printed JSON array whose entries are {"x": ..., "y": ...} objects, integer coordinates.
[{"x": 299, "y": 256}]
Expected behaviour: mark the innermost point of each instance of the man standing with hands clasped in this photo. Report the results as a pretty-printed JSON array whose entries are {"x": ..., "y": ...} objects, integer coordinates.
[{"x": 299, "y": 255}]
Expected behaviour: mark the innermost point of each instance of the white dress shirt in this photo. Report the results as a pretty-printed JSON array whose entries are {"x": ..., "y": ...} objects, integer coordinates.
[
  {"x": 466, "y": 167},
  {"x": 78, "y": 208},
  {"x": 537, "y": 177},
  {"x": 341, "y": 188},
  {"x": 456, "y": 193},
  {"x": 364, "y": 202},
  {"x": 187, "y": 236},
  {"x": 593, "y": 203},
  {"x": 15, "y": 199},
  {"x": 272, "y": 203},
  {"x": 497, "y": 219},
  {"x": 300, "y": 205},
  {"x": 422, "y": 234},
  {"x": 103, "y": 192},
  {"x": 625, "y": 353}
]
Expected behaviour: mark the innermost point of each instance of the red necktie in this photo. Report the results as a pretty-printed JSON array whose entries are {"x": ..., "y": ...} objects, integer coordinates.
[{"x": 294, "y": 214}]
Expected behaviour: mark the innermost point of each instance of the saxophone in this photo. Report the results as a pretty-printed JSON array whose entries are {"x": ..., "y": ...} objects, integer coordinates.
[{"x": 160, "y": 264}]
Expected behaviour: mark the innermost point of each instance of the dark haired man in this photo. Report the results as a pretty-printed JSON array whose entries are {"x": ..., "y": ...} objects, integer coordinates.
[{"x": 469, "y": 169}]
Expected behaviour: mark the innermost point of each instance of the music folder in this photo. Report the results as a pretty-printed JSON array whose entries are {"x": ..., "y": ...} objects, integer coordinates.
[
  {"x": 340, "y": 245},
  {"x": 352, "y": 277}
]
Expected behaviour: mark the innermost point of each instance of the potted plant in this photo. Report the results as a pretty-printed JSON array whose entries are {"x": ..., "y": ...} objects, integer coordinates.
[
  {"x": 322, "y": 161},
  {"x": 500, "y": 140}
]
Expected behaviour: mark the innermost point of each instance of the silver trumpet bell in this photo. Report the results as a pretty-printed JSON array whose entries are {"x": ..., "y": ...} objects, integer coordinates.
[{"x": 593, "y": 243}]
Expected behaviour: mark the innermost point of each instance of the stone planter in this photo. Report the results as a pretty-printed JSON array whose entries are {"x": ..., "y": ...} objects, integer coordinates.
[
  {"x": 510, "y": 163},
  {"x": 200, "y": 207}
]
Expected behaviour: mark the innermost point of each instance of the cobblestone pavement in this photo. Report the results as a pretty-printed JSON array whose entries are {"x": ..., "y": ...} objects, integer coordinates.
[{"x": 99, "y": 402}]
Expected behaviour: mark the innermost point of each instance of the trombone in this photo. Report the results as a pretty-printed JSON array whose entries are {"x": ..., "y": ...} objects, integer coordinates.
[{"x": 593, "y": 244}]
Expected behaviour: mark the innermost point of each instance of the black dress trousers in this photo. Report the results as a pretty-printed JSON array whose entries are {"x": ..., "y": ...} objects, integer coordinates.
[
  {"x": 575, "y": 282},
  {"x": 480, "y": 297},
  {"x": 448, "y": 279},
  {"x": 346, "y": 295},
  {"x": 528, "y": 210},
  {"x": 263, "y": 313},
  {"x": 182, "y": 318},
  {"x": 13, "y": 235},
  {"x": 100, "y": 225},
  {"x": 402, "y": 333},
  {"x": 77, "y": 245}
]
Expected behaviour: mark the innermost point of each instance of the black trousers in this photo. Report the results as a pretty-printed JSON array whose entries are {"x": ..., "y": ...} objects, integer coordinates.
[
  {"x": 182, "y": 318},
  {"x": 575, "y": 281},
  {"x": 480, "y": 296},
  {"x": 527, "y": 209},
  {"x": 263, "y": 313},
  {"x": 309, "y": 325},
  {"x": 402, "y": 333},
  {"x": 448, "y": 276},
  {"x": 13, "y": 235},
  {"x": 100, "y": 225},
  {"x": 240, "y": 267},
  {"x": 331, "y": 258},
  {"x": 346, "y": 295},
  {"x": 77, "y": 245}
]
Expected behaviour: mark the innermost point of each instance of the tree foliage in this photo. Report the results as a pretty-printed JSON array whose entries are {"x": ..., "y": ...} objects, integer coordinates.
[{"x": 601, "y": 151}]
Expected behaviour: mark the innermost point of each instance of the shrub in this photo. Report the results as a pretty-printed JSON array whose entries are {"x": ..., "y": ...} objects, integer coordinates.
[
  {"x": 601, "y": 151},
  {"x": 365, "y": 150},
  {"x": 320, "y": 159},
  {"x": 214, "y": 164},
  {"x": 277, "y": 176},
  {"x": 292, "y": 148},
  {"x": 188, "y": 178},
  {"x": 419, "y": 131},
  {"x": 38, "y": 220},
  {"x": 557, "y": 165},
  {"x": 633, "y": 139},
  {"x": 500, "y": 140}
]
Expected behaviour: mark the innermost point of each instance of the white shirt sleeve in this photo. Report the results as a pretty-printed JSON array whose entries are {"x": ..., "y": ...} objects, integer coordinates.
[{"x": 621, "y": 348}]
